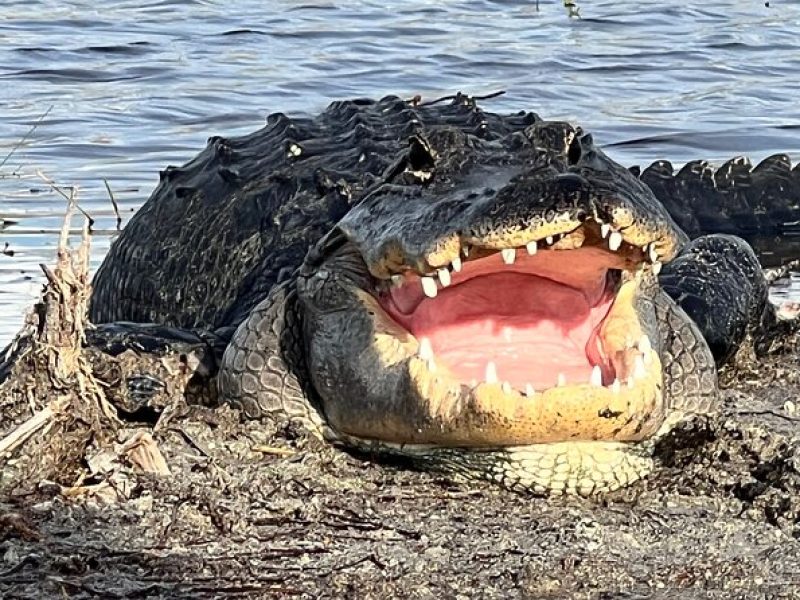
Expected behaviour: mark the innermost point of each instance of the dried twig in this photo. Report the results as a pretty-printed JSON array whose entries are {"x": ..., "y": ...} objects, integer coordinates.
[
  {"x": 26, "y": 136},
  {"x": 191, "y": 441},
  {"x": 770, "y": 412},
  {"x": 774, "y": 274},
  {"x": 113, "y": 204},
  {"x": 18, "y": 436},
  {"x": 274, "y": 450},
  {"x": 72, "y": 203}
]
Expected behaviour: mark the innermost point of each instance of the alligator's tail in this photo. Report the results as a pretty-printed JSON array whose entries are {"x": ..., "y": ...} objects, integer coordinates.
[{"x": 734, "y": 198}]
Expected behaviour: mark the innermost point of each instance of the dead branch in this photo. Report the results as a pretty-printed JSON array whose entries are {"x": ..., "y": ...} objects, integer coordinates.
[
  {"x": 31, "y": 426},
  {"x": 113, "y": 204}
]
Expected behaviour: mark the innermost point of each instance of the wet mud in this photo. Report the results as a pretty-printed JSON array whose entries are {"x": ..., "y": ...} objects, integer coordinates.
[{"x": 190, "y": 501}]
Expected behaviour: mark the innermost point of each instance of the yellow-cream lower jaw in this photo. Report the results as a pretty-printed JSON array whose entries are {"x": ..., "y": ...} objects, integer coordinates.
[{"x": 493, "y": 413}]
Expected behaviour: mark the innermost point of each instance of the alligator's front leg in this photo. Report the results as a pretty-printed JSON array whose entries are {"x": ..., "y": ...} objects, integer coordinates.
[
  {"x": 263, "y": 370},
  {"x": 717, "y": 280},
  {"x": 143, "y": 366}
]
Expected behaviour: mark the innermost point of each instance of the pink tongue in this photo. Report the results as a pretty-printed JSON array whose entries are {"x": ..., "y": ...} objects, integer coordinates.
[{"x": 532, "y": 328}]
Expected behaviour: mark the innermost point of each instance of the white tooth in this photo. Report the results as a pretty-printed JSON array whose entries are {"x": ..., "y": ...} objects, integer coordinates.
[
  {"x": 614, "y": 240},
  {"x": 644, "y": 345},
  {"x": 444, "y": 277},
  {"x": 432, "y": 366},
  {"x": 639, "y": 370},
  {"x": 630, "y": 382},
  {"x": 509, "y": 254},
  {"x": 429, "y": 287},
  {"x": 605, "y": 229},
  {"x": 397, "y": 280},
  {"x": 465, "y": 251},
  {"x": 615, "y": 386},
  {"x": 532, "y": 247},
  {"x": 491, "y": 372},
  {"x": 425, "y": 349},
  {"x": 656, "y": 268},
  {"x": 561, "y": 381},
  {"x": 506, "y": 387},
  {"x": 549, "y": 240},
  {"x": 529, "y": 390},
  {"x": 597, "y": 376},
  {"x": 457, "y": 264},
  {"x": 652, "y": 253}
]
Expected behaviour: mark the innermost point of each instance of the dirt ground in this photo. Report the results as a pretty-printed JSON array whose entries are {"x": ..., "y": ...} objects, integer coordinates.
[
  {"x": 242, "y": 515},
  {"x": 202, "y": 504},
  {"x": 719, "y": 521}
]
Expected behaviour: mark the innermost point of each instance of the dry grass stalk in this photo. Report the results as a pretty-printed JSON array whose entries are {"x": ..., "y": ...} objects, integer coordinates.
[
  {"x": 66, "y": 308},
  {"x": 274, "y": 450}
]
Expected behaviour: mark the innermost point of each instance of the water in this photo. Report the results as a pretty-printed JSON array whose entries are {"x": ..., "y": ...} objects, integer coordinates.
[{"x": 134, "y": 86}]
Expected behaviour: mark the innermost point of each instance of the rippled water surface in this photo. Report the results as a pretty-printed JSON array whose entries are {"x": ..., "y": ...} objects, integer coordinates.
[{"x": 93, "y": 91}]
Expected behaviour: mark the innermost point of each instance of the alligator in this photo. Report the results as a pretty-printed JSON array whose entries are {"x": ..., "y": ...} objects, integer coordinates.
[{"x": 490, "y": 296}]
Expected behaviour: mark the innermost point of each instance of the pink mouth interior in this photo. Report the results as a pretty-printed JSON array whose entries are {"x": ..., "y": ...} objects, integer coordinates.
[{"x": 534, "y": 319}]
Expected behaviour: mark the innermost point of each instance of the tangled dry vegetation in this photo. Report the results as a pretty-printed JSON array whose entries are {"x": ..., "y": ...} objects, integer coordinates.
[
  {"x": 195, "y": 502},
  {"x": 56, "y": 405}
]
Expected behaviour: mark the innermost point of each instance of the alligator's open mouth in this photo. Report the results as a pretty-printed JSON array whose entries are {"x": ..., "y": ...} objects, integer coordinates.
[{"x": 548, "y": 336}]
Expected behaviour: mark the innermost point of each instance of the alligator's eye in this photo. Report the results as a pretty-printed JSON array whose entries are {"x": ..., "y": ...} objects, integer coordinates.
[
  {"x": 574, "y": 151},
  {"x": 420, "y": 155}
]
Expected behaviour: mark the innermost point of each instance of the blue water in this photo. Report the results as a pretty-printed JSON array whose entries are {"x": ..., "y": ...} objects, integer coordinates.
[{"x": 120, "y": 91}]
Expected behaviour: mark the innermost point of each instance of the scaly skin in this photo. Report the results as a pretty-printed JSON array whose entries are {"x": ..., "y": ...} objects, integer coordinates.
[
  {"x": 389, "y": 401},
  {"x": 735, "y": 198},
  {"x": 291, "y": 236}
]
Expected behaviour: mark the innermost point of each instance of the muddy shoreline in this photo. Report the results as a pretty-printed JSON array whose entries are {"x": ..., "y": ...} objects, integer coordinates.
[
  {"x": 719, "y": 522},
  {"x": 197, "y": 502}
]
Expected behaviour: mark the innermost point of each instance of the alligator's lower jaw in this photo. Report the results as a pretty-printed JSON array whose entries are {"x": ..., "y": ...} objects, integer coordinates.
[
  {"x": 492, "y": 366},
  {"x": 491, "y": 414}
]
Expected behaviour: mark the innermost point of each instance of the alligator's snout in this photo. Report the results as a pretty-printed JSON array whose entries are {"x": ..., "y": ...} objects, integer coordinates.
[{"x": 543, "y": 204}]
